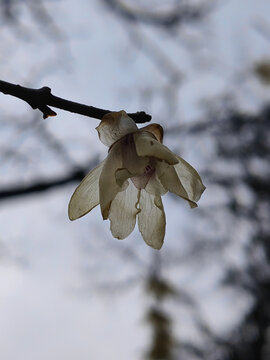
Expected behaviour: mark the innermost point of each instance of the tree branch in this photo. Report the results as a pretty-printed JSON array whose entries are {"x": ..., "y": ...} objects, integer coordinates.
[
  {"x": 168, "y": 19},
  {"x": 42, "y": 98},
  {"x": 42, "y": 185}
]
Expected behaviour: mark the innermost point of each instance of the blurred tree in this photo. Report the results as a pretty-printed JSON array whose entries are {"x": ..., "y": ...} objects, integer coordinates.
[
  {"x": 262, "y": 70},
  {"x": 246, "y": 139},
  {"x": 243, "y": 147},
  {"x": 11, "y": 12},
  {"x": 167, "y": 15},
  {"x": 158, "y": 289}
]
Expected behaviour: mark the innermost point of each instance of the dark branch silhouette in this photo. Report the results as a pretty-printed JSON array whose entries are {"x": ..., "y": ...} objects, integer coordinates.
[
  {"x": 167, "y": 19},
  {"x": 42, "y": 185},
  {"x": 42, "y": 98}
]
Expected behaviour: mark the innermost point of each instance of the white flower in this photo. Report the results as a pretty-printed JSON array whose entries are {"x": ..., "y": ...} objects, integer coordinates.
[{"x": 130, "y": 181}]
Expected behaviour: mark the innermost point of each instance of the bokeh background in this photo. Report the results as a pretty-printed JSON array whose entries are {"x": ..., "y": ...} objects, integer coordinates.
[{"x": 68, "y": 290}]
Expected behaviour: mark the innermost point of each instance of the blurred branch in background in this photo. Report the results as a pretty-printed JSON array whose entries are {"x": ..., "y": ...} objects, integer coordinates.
[
  {"x": 168, "y": 15},
  {"x": 262, "y": 70},
  {"x": 11, "y": 14},
  {"x": 38, "y": 186},
  {"x": 243, "y": 140}
]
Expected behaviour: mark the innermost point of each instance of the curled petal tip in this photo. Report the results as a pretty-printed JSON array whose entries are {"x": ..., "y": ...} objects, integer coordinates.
[{"x": 156, "y": 130}]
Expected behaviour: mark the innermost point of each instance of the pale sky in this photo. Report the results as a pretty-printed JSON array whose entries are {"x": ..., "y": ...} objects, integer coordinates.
[{"x": 50, "y": 305}]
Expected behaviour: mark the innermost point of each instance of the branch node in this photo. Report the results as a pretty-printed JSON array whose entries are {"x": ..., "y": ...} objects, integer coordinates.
[{"x": 46, "y": 111}]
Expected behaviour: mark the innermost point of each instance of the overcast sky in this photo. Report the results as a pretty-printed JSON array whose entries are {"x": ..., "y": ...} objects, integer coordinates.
[{"x": 51, "y": 306}]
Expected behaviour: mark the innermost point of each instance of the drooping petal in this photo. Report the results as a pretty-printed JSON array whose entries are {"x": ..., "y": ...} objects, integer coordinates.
[
  {"x": 147, "y": 145},
  {"x": 169, "y": 179},
  {"x": 190, "y": 179},
  {"x": 108, "y": 186},
  {"x": 151, "y": 219},
  {"x": 86, "y": 195},
  {"x": 182, "y": 180},
  {"x": 123, "y": 212},
  {"x": 114, "y": 126}
]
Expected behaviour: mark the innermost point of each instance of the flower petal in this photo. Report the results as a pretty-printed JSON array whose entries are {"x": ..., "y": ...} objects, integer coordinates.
[
  {"x": 114, "y": 126},
  {"x": 86, "y": 195},
  {"x": 169, "y": 179},
  {"x": 181, "y": 179},
  {"x": 121, "y": 175},
  {"x": 108, "y": 186},
  {"x": 147, "y": 145},
  {"x": 154, "y": 186},
  {"x": 131, "y": 161},
  {"x": 123, "y": 212},
  {"x": 190, "y": 179},
  {"x": 122, "y": 163},
  {"x": 151, "y": 219}
]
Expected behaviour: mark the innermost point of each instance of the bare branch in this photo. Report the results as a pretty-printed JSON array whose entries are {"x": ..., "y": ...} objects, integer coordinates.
[
  {"x": 42, "y": 185},
  {"x": 167, "y": 19},
  {"x": 42, "y": 98}
]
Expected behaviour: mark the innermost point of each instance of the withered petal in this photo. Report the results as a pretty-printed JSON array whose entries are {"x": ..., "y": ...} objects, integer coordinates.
[
  {"x": 190, "y": 179},
  {"x": 108, "y": 186},
  {"x": 151, "y": 219},
  {"x": 182, "y": 180},
  {"x": 123, "y": 211},
  {"x": 86, "y": 195}
]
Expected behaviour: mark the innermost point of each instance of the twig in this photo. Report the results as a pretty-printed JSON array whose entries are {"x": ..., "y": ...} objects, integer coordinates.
[
  {"x": 167, "y": 19},
  {"x": 43, "y": 98}
]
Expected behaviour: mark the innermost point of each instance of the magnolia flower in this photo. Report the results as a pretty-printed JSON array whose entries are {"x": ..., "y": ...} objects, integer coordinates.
[{"x": 129, "y": 183}]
